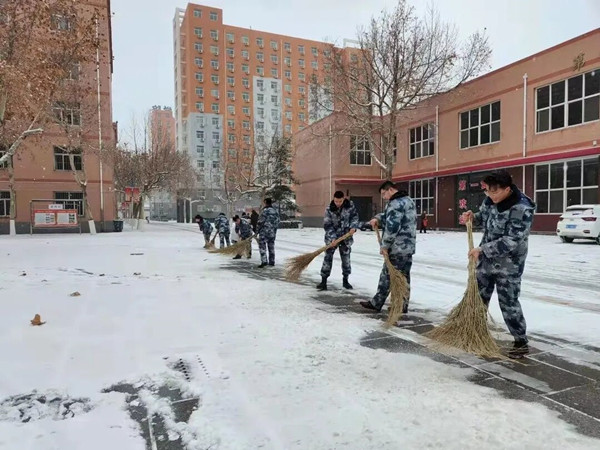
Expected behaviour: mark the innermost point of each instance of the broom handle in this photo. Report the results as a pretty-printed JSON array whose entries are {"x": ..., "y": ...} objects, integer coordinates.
[
  {"x": 338, "y": 240},
  {"x": 470, "y": 234}
]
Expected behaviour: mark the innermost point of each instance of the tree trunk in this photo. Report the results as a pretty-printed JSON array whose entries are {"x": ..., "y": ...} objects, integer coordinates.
[{"x": 13, "y": 196}]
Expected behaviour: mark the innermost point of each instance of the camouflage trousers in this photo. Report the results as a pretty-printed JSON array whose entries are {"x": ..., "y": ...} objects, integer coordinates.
[
  {"x": 401, "y": 262},
  {"x": 508, "y": 287},
  {"x": 264, "y": 244},
  {"x": 206, "y": 238},
  {"x": 224, "y": 237},
  {"x": 328, "y": 261}
]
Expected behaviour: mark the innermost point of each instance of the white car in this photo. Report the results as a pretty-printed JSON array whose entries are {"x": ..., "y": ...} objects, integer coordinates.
[{"x": 579, "y": 222}]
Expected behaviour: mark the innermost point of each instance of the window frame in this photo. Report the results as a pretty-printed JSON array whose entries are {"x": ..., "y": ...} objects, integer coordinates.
[
  {"x": 479, "y": 126},
  {"x": 365, "y": 150}
]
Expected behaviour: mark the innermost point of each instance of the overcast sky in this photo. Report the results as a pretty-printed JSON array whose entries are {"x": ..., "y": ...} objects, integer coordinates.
[{"x": 143, "y": 36}]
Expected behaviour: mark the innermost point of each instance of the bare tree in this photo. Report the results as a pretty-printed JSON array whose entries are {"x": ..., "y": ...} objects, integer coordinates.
[
  {"x": 150, "y": 164},
  {"x": 39, "y": 43},
  {"x": 400, "y": 59}
]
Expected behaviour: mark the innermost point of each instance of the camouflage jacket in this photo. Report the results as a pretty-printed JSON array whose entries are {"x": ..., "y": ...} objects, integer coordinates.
[
  {"x": 506, "y": 228},
  {"x": 222, "y": 224},
  {"x": 206, "y": 227},
  {"x": 268, "y": 222},
  {"x": 244, "y": 229},
  {"x": 399, "y": 225},
  {"x": 339, "y": 221}
]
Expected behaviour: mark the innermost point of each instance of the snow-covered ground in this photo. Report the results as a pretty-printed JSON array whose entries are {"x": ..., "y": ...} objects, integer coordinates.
[{"x": 271, "y": 369}]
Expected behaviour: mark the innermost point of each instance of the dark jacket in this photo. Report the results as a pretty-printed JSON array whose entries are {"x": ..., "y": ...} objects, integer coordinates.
[{"x": 254, "y": 220}]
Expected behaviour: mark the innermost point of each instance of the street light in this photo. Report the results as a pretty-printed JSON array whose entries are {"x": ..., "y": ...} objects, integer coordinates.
[{"x": 191, "y": 203}]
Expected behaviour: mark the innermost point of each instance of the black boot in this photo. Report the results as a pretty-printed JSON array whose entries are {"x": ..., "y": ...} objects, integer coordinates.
[
  {"x": 369, "y": 305},
  {"x": 262, "y": 264},
  {"x": 346, "y": 284},
  {"x": 322, "y": 286},
  {"x": 237, "y": 257},
  {"x": 519, "y": 350}
]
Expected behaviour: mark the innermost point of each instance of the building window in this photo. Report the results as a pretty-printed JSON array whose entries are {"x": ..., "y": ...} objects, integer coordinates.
[
  {"x": 231, "y": 138},
  {"x": 301, "y": 49},
  {"x": 260, "y": 126},
  {"x": 200, "y": 164},
  {"x": 230, "y": 95},
  {"x": 260, "y": 84},
  {"x": 215, "y": 165},
  {"x": 260, "y": 56},
  {"x": 216, "y": 137},
  {"x": 198, "y": 47},
  {"x": 288, "y": 115},
  {"x": 215, "y": 122},
  {"x": 214, "y": 16},
  {"x": 246, "y": 125},
  {"x": 274, "y": 45},
  {"x": 62, "y": 161},
  {"x": 245, "y": 68},
  {"x": 246, "y": 110},
  {"x": 423, "y": 194},
  {"x": 274, "y": 86},
  {"x": 200, "y": 135},
  {"x": 199, "y": 76},
  {"x": 288, "y": 74},
  {"x": 69, "y": 114},
  {"x": 4, "y": 203},
  {"x": 215, "y": 108},
  {"x": 197, "y": 13},
  {"x": 287, "y": 46},
  {"x": 302, "y": 90},
  {"x": 200, "y": 106},
  {"x": 230, "y": 67},
  {"x": 274, "y": 59},
  {"x": 245, "y": 97},
  {"x": 288, "y": 128},
  {"x": 562, "y": 184},
  {"x": 214, "y": 63},
  {"x": 360, "y": 154},
  {"x": 70, "y": 200},
  {"x": 274, "y": 115},
  {"x": 274, "y": 73},
  {"x": 230, "y": 81},
  {"x": 260, "y": 112},
  {"x": 230, "y": 38},
  {"x": 301, "y": 103},
  {"x": 199, "y": 62},
  {"x": 245, "y": 82},
  {"x": 259, "y": 42},
  {"x": 73, "y": 73},
  {"x": 275, "y": 99},
  {"x": 301, "y": 116},
  {"x": 200, "y": 150},
  {"x": 200, "y": 92},
  {"x": 422, "y": 141},
  {"x": 246, "y": 138},
  {"x": 231, "y": 109},
  {"x": 214, "y": 50},
  {"x": 245, "y": 40},
  {"x": 314, "y": 64},
  {"x": 288, "y": 101},
  {"x": 480, "y": 126},
  {"x": 198, "y": 31},
  {"x": 288, "y": 88},
  {"x": 287, "y": 61},
  {"x": 301, "y": 63},
  {"x": 568, "y": 102},
  {"x": 245, "y": 54},
  {"x": 230, "y": 52},
  {"x": 301, "y": 76},
  {"x": 214, "y": 79},
  {"x": 230, "y": 123}
]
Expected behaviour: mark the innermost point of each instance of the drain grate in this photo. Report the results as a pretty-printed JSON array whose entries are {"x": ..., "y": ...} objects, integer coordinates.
[
  {"x": 182, "y": 367},
  {"x": 201, "y": 363}
]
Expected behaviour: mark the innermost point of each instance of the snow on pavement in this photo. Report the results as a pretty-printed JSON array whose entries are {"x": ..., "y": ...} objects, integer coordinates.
[{"x": 278, "y": 373}]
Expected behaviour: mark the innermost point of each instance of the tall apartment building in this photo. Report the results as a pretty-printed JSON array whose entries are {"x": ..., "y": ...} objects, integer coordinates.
[
  {"x": 41, "y": 167},
  {"x": 235, "y": 88},
  {"x": 161, "y": 123}
]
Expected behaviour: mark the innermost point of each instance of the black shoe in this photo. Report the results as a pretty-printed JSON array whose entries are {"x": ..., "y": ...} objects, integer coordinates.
[
  {"x": 519, "y": 350},
  {"x": 369, "y": 305},
  {"x": 322, "y": 286},
  {"x": 237, "y": 257},
  {"x": 262, "y": 265},
  {"x": 346, "y": 284},
  {"x": 271, "y": 264},
  {"x": 249, "y": 257}
]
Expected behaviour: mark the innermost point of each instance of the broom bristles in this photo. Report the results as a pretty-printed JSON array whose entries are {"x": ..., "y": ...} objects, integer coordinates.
[
  {"x": 466, "y": 327},
  {"x": 296, "y": 265},
  {"x": 235, "y": 249}
]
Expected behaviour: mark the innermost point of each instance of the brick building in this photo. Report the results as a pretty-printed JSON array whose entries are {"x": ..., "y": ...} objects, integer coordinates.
[
  {"x": 235, "y": 88},
  {"x": 42, "y": 169},
  {"x": 538, "y": 118}
]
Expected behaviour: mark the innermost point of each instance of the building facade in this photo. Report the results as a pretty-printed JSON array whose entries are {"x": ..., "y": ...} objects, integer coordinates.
[
  {"x": 235, "y": 89},
  {"x": 539, "y": 118},
  {"x": 42, "y": 169}
]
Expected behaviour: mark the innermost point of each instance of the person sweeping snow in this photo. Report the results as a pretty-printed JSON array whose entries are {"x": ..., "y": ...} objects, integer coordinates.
[
  {"x": 244, "y": 230},
  {"x": 205, "y": 227},
  {"x": 222, "y": 226},
  {"x": 340, "y": 218},
  {"x": 399, "y": 225},
  {"x": 506, "y": 216}
]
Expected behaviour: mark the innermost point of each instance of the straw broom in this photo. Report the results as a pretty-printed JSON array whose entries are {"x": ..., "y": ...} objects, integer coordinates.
[
  {"x": 210, "y": 245},
  {"x": 296, "y": 265},
  {"x": 466, "y": 326},
  {"x": 399, "y": 289}
]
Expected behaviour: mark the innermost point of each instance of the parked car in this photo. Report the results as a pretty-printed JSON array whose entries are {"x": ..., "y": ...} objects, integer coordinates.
[{"x": 579, "y": 222}]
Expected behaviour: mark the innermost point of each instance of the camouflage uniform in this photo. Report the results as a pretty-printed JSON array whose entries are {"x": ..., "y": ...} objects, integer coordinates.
[
  {"x": 207, "y": 230},
  {"x": 501, "y": 263},
  {"x": 266, "y": 228},
  {"x": 244, "y": 231},
  {"x": 399, "y": 225},
  {"x": 222, "y": 226},
  {"x": 337, "y": 222}
]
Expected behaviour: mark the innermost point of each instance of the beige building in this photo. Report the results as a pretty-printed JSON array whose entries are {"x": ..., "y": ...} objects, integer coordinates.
[
  {"x": 42, "y": 169},
  {"x": 538, "y": 117}
]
